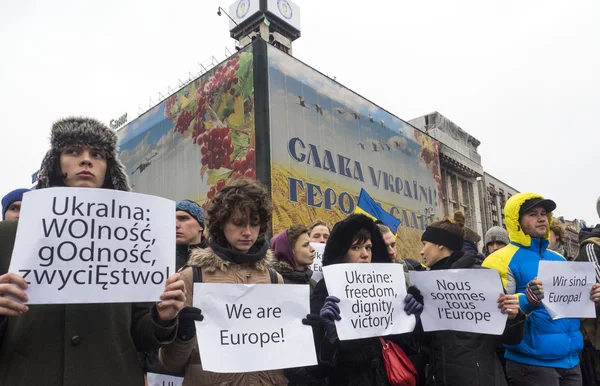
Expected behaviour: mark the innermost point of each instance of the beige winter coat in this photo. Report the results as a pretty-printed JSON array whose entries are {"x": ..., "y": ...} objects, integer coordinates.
[{"x": 181, "y": 355}]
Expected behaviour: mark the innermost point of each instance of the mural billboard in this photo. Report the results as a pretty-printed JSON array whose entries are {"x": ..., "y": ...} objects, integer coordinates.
[
  {"x": 328, "y": 142},
  {"x": 197, "y": 140}
]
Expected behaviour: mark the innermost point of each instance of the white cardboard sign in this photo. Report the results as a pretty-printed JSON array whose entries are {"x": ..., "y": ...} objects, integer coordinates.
[
  {"x": 163, "y": 380},
  {"x": 567, "y": 286},
  {"x": 253, "y": 327},
  {"x": 80, "y": 245},
  {"x": 317, "y": 265},
  {"x": 371, "y": 299},
  {"x": 461, "y": 300}
]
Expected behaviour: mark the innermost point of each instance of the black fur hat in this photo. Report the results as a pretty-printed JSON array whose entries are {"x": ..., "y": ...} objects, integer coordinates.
[
  {"x": 342, "y": 235},
  {"x": 84, "y": 132}
]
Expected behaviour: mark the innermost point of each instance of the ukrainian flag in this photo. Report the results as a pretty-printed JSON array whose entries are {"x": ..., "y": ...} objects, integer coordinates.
[{"x": 367, "y": 206}]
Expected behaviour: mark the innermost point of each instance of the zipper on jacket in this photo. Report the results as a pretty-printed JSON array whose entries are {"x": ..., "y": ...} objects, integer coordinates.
[{"x": 541, "y": 254}]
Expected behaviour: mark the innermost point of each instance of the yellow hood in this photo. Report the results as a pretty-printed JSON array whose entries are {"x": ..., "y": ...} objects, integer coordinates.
[{"x": 511, "y": 218}]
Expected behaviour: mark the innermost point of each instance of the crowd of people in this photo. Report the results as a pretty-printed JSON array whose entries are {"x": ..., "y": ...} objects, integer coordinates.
[{"x": 116, "y": 344}]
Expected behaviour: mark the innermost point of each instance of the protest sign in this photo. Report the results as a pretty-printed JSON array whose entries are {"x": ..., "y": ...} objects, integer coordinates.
[
  {"x": 253, "y": 327},
  {"x": 317, "y": 265},
  {"x": 163, "y": 380},
  {"x": 371, "y": 299},
  {"x": 567, "y": 286},
  {"x": 461, "y": 300},
  {"x": 79, "y": 245}
]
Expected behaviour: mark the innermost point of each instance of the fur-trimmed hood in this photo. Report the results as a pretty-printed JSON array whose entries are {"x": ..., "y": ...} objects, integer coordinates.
[
  {"x": 211, "y": 262},
  {"x": 342, "y": 235},
  {"x": 84, "y": 132}
]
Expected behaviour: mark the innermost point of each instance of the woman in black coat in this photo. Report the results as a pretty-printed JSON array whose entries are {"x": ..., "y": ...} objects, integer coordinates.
[
  {"x": 462, "y": 358},
  {"x": 355, "y": 362}
]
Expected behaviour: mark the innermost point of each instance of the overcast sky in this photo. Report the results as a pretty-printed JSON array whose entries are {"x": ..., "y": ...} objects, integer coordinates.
[{"x": 521, "y": 76}]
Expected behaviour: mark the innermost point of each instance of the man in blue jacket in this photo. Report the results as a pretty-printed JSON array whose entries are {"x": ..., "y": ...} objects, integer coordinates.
[{"x": 549, "y": 352}]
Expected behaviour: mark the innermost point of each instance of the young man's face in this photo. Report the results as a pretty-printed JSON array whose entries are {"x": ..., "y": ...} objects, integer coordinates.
[
  {"x": 13, "y": 211},
  {"x": 534, "y": 222},
  {"x": 319, "y": 234},
  {"x": 83, "y": 167},
  {"x": 494, "y": 246},
  {"x": 359, "y": 252},
  {"x": 241, "y": 232},
  {"x": 188, "y": 230},
  {"x": 390, "y": 243}
]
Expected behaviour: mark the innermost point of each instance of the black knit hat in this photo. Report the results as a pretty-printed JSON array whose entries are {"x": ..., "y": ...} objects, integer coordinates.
[
  {"x": 84, "y": 132},
  {"x": 343, "y": 234},
  {"x": 447, "y": 232}
]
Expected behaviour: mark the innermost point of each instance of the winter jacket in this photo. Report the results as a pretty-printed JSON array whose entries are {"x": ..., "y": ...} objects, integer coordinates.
[
  {"x": 589, "y": 250},
  {"x": 353, "y": 362},
  {"x": 301, "y": 376},
  {"x": 149, "y": 360},
  {"x": 182, "y": 254},
  {"x": 468, "y": 359},
  {"x": 75, "y": 344},
  {"x": 470, "y": 246},
  {"x": 547, "y": 342},
  {"x": 184, "y": 356}
]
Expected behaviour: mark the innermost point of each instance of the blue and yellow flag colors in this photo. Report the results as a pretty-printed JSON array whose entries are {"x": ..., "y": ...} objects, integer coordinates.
[
  {"x": 367, "y": 206},
  {"x": 267, "y": 22}
]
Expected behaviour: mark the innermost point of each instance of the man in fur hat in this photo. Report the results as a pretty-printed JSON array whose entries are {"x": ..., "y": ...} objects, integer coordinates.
[{"x": 78, "y": 344}]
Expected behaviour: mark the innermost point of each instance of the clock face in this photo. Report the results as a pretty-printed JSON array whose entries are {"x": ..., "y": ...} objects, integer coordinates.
[
  {"x": 285, "y": 9},
  {"x": 242, "y": 9}
]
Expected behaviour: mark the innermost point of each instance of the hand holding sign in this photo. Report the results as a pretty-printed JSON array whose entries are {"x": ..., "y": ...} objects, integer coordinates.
[
  {"x": 509, "y": 305},
  {"x": 13, "y": 285},
  {"x": 595, "y": 293},
  {"x": 188, "y": 316},
  {"x": 413, "y": 301},
  {"x": 535, "y": 292},
  {"x": 330, "y": 312},
  {"x": 173, "y": 299}
]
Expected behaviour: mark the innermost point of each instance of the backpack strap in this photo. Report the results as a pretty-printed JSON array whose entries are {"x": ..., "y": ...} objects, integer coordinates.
[
  {"x": 197, "y": 274},
  {"x": 273, "y": 276}
]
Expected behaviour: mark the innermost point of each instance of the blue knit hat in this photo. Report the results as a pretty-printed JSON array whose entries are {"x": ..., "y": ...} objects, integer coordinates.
[
  {"x": 15, "y": 195},
  {"x": 193, "y": 209}
]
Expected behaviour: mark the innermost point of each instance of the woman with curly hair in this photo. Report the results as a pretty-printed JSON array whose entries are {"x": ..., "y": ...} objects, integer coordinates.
[{"x": 237, "y": 222}]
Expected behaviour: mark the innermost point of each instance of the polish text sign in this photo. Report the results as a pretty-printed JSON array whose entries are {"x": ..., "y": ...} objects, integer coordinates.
[
  {"x": 317, "y": 265},
  {"x": 80, "y": 245},
  {"x": 461, "y": 300},
  {"x": 164, "y": 380},
  {"x": 371, "y": 299},
  {"x": 253, "y": 327},
  {"x": 567, "y": 286}
]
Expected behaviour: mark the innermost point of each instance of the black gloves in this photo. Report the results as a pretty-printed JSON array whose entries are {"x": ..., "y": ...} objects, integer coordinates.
[{"x": 187, "y": 325}]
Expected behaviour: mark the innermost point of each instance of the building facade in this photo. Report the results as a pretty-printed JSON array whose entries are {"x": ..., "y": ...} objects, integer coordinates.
[
  {"x": 460, "y": 167},
  {"x": 572, "y": 228},
  {"x": 494, "y": 194}
]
